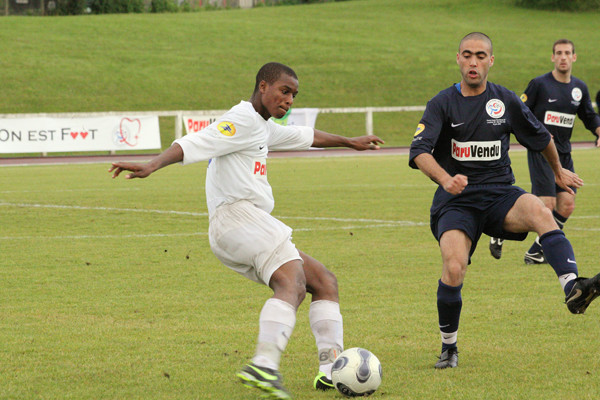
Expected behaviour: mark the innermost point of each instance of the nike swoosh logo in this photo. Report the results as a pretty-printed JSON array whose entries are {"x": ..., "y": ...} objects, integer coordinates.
[
  {"x": 538, "y": 259},
  {"x": 264, "y": 374},
  {"x": 552, "y": 100},
  {"x": 455, "y": 125},
  {"x": 444, "y": 326},
  {"x": 571, "y": 261},
  {"x": 576, "y": 295},
  {"x": 261, "y": 147}
]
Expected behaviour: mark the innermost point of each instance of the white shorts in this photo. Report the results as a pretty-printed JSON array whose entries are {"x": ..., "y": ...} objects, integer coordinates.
[{"x": 250, "y": 241}]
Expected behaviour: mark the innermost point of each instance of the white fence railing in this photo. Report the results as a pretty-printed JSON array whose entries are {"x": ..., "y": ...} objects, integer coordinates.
[
  {"x": 178, "y": 115},
  {"x": 179, "y": 123}
]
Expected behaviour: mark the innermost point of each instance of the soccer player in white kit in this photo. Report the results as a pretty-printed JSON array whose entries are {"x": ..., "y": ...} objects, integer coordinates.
[{"x": 243, "y": 234}]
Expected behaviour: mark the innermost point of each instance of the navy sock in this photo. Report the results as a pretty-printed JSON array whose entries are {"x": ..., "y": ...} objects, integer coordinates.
[
  {"x": 449, "y": 303},
  {"x": 560, "y": 255},
  {"x": 560, "y": 220},
  {"x": 535, "y": 247}
]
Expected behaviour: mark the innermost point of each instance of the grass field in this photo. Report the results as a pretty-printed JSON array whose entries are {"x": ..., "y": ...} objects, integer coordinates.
[
  {"x": 108, "y": 288},
  {"x": 347, "y": 54}
]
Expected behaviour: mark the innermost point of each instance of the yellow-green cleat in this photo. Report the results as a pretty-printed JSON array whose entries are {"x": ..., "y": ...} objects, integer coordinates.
[
  {"x": 322, "y": 382},
  {"x": 266, "y": 379}
]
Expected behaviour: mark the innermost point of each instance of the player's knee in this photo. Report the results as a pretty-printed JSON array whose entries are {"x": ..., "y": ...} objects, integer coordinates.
[
  {"x": 541, "y": 214},
  {"x": 566, "y": 209},
  {"x": 454, "y": 272}
]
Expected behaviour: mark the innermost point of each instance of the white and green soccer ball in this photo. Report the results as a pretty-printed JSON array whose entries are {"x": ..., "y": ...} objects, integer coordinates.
[{"x": 356, "y": 372}]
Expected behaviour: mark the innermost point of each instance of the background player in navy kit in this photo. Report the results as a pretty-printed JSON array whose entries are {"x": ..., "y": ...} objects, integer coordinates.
[
  {"x": 555, "y": 98},
  {"x": 244, "y": 235},
  {"x": 462, "y": 144}
]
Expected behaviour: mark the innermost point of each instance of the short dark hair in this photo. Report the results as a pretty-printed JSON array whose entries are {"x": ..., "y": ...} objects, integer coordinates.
[
  {"x": 478, "y": 36},
  {"x": 270, "y": 72},
  {"x": 563, "y": 41}
]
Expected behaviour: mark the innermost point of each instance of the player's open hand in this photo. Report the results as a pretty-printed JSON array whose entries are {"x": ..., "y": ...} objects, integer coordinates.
[
  {"x": 368, "y": 142},
  {"x": 137, "y": 170},
  {"x": 568, "y": 180},
  {"x": 456, "y": 184}
]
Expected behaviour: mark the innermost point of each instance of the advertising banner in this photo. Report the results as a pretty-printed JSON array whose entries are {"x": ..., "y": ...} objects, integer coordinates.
[
  {"x": 197, "y": 123},
  {"x": 294, "y": 116},
  {"x": 44, "y": 135}
]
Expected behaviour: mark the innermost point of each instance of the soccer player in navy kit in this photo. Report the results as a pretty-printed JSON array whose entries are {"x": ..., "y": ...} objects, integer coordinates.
[
  {"x": 462, "y": 144},
  {"x": 555, "y": 98}
]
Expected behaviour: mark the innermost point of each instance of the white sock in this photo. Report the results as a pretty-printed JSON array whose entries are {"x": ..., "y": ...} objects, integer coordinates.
[
  {"x": 449, "y": 338},
  {"x": 276, "y": 324},
  {"x": 328, "y": 328},
  {"x": 564, "y": 279}
]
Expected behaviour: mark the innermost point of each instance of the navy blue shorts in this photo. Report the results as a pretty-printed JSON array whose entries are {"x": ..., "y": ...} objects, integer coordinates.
[
  {"x": 541, "y": 175},
  {"x": 478, "y": 209}
]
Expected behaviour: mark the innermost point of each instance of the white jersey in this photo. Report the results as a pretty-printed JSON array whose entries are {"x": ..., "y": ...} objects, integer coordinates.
[{"x": 237, "y": 145}]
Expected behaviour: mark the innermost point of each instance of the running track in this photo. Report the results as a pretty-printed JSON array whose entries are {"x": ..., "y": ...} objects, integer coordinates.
[{"x": 95, "y": 159}]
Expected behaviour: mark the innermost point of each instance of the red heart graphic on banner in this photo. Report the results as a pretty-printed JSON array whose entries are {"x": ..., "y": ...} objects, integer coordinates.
[
  {"x": 73, "y": 135},
  {"x": 129, "y": 130},
  {"x": 84, "y": 134}
]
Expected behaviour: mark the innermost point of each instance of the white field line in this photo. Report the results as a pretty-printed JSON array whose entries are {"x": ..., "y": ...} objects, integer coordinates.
[
  {"x": 202, "y": 214},
  {"x": 68, "y": 190},
  {"x": 363, "y": 222},
  {"x": 71, "y": 207},
  {"x": 145, "y": 235}
]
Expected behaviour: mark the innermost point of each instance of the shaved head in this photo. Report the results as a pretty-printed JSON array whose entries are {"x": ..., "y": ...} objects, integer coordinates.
[{"x": 477, "y": 36}]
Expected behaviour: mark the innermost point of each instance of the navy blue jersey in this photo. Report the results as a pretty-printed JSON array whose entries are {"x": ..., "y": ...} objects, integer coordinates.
[
  {"x": 556, "y": 104},
  {"x": 471, "y": 135}
]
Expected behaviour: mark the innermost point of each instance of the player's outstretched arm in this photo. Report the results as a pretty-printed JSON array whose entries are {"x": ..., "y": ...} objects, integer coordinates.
[
  {"x": 564, "y": 178},
  {"x": 172, "y": 155},
  {"x": 325, "y": 139},
  {"x": 430, "y": 167}
]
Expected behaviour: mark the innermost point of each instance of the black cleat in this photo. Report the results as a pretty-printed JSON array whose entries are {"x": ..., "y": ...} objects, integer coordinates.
[
  {"x": 448, "y": 359},
  {"x": 266, "y": 379},
  {"x": 322, "y": 382},
  {"x": 496, "y": 247},
  {"x": 535, "y": 258},
  {"x": 583, "y": 292}
]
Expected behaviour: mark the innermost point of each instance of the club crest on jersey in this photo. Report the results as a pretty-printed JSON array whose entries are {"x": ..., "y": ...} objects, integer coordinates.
[
  {"x": 420, "y": 128},
  {"x": 476, "y": 151},
  {"x": 576, "y": 94},
  {"x": 226, "y": 128},
  {"x": 559, "y": 119},
  {"x": 523, "y": 98},
  {"x": 495, "y": 108}
]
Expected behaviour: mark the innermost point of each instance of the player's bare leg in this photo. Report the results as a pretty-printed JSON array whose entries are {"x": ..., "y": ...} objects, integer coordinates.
[
  {"x": 325, "y": 318},
  {"x": 529, "y": 213},
  {"x": 276, "y": 323},
  {"x": 454, "y": 246},
  {"x": 562, "y": 206}
]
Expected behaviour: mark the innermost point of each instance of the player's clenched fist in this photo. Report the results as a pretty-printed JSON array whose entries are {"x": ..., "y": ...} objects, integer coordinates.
[{"x": 456, "y": 184}]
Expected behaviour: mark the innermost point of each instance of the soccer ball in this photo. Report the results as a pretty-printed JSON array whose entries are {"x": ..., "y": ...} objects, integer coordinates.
[{"x": 356, "y": 372}]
